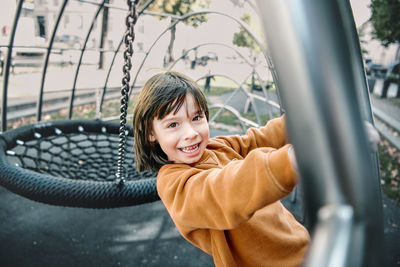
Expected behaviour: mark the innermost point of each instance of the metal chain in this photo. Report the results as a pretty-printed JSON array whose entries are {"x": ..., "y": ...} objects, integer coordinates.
[{"x": 129, "y": 37}]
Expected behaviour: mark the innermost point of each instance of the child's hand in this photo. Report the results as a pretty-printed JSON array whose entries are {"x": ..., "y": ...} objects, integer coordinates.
[{"x": 373, "y": 136}]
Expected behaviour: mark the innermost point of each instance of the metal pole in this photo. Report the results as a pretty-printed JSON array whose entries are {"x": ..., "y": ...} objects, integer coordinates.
[
  {"x": 317, "y": 61},
  {"x": 72, "y": 99},
  {"x": 98, "y": 116},
  {"x": 39, "y": 105},
  {"x": 7, "y": 67}
]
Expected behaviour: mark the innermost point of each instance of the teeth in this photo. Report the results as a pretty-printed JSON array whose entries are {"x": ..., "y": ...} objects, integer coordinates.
[{"x": 189, "y": 149}]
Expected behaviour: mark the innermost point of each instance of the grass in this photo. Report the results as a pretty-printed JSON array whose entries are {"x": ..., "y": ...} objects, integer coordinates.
[
  {"x": 219, "y": 90},
  {"x": 227, "y": 118},
  {"x": 389, "y": 165}
]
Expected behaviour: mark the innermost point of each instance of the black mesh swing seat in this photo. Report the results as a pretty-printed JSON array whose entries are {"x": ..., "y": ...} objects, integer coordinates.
[{"x": 72, "y": 163}]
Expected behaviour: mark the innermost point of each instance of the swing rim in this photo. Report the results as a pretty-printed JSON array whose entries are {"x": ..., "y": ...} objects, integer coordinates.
[{"x": 64, "y": 191}]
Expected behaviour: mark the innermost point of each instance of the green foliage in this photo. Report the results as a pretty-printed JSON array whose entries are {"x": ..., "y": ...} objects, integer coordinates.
[
  {"x": 361, "y": 36},
  {"x": 386, "y": 21},
  {"x": 180, "y": 8},
  {"x": 243, "y": 38},
  {"x": 389, "y": 163}
]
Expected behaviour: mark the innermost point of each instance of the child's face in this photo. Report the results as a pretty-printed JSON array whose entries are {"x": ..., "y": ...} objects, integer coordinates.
[{"x": 182, "y": 136}]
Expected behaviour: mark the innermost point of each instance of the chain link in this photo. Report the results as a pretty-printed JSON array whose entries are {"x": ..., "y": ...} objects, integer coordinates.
[{"x": 129, "y": 37}]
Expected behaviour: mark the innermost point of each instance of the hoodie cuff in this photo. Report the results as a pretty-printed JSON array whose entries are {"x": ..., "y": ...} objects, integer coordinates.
[{"x": 281, "y": 168}]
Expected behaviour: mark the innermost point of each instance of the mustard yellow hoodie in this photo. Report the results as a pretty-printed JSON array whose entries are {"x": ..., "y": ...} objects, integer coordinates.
[{"x": 228, "y": 204}]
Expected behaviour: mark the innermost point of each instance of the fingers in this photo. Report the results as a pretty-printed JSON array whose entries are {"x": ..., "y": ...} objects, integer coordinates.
[{"x": 373, "y": 136}]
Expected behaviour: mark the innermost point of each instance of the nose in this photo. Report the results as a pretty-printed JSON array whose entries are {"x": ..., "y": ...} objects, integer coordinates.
[{"x": 190, "y": 132}]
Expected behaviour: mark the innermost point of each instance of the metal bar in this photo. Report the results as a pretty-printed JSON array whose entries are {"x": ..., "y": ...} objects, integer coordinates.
[
  {"x": 46, "y": 62},
  {"x": 182, "y": 18},
  {"x": 240, "y": 87},
  {"x": 314, "y": 55},
  {"x": 25, "y": 46},
  {"x": 107, "y": 78},
  {"x": 236, "y": 113},
  {"x": 246, "y": 60},
  {"x": 8, "y": 65},
  {"x": 335, "y": 223},
  {"x": 71, "y": 103},
  {"x": 146, "y": 5}
]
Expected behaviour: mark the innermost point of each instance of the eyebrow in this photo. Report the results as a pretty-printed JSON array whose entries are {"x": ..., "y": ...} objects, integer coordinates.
[
  {"x": 198, "y": 112},
  {"x": 171, "y": 116}
]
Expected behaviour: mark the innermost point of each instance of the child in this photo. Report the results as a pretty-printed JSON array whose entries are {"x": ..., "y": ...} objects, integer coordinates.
[{"x": 222, "y": 193}]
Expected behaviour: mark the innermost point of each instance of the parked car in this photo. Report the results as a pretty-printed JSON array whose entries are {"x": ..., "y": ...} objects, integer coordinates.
[{"x": 374, "y": 70}]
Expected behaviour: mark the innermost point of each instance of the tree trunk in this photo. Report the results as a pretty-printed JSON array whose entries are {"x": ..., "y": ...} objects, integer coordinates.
[
  {"x": 171, "y": 44},
  {"x": 104, "y": 27}
]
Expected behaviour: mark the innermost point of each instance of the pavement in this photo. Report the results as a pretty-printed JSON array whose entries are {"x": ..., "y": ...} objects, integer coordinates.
[{"x": 36, "y": 234}]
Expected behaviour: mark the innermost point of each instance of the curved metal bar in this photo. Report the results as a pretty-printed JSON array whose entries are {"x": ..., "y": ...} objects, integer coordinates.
[
  {"x": 247, "y": 29},
  {"x": 107, "y": 78},
  {"x": 243, "y": 121},
  {"x": 7, "y": 66},
  {"x": 46, "y": 61},
  {"x": 240, "y": 87},
  {"x": 324, "y": 87},
  {"x": 264, "y": 90},
  {"x": 71, "y": 103},
  {"x": 146, "y": 5}
]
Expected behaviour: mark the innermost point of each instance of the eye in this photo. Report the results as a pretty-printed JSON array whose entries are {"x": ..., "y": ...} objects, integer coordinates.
[
  {"x": 173, "y": 125},
  {"x": 197, "y": 118}
]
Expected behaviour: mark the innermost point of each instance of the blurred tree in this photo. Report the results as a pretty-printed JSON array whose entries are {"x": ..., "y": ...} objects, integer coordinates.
[
  {"x": 244, "y": 39},
  {"x": 386, "y": 21},
  {"x": 179, "y": 8},
  {"x": 361, "y": 36}
]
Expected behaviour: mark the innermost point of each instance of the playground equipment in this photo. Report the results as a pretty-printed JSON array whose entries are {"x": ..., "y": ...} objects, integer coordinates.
[{"x": 318, "y": 70}]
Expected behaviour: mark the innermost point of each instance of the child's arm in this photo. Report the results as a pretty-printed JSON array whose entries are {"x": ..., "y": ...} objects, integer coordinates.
[
  {"x": 223, "y": 198},
  {"x": 273, "y": 134}
]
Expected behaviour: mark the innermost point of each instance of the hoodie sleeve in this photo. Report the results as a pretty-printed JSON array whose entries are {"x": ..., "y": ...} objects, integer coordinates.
[
  {"x": 273, "y": 134},
  {"x": 223, "y": 198}
]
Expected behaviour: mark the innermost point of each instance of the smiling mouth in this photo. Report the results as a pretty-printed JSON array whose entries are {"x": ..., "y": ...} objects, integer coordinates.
[{"x": 190, "y": 149}]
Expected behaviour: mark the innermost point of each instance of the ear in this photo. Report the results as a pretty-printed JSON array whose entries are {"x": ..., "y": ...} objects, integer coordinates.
[{"x": 152, "y": 138}]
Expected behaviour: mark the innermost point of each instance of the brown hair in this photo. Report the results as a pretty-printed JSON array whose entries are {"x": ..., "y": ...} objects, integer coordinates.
[{"x": 162, "y": 94}]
